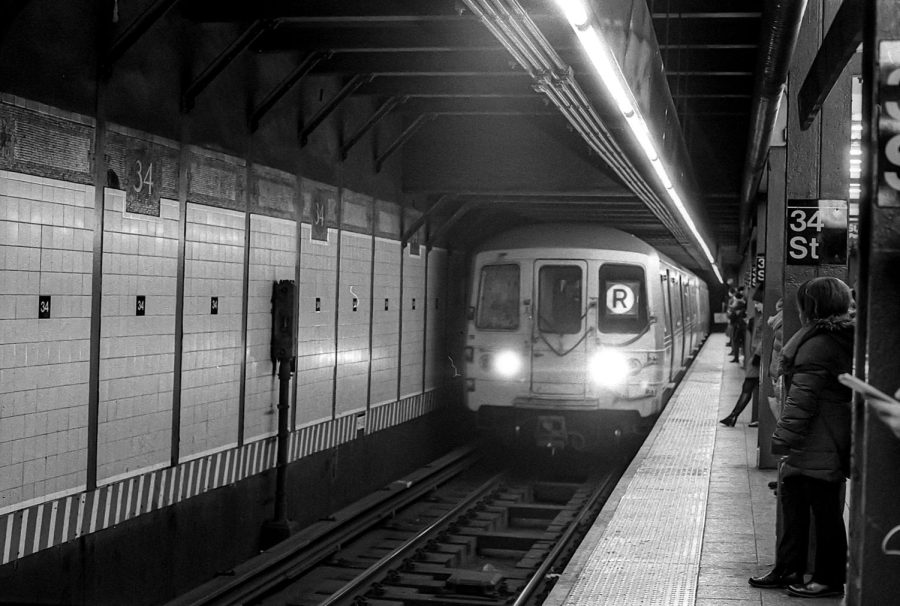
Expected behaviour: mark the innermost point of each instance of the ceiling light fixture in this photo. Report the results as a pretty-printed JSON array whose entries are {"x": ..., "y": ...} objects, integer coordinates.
[{"x": 578, "y": 14}]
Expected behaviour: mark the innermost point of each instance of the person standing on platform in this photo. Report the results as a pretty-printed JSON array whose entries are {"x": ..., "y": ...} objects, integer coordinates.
[
  {"x": 737, "y": 312},
  {"x": 776, "y": 323},
  {"x": 814, "y": 434},
  {"x": 751, "y": 378}
]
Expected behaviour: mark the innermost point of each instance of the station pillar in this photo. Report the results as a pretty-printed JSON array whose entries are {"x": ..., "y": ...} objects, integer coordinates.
[{"x": 875, "y": 514}]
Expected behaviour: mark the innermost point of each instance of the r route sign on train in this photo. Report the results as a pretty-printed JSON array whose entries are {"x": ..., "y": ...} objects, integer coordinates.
[{"x": 619, "y": 298}]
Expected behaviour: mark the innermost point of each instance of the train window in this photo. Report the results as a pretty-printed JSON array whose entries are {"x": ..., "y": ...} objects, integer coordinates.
[
  {"x": 498, "y": 298},
  {"x": 559, "y": 299},
  {"x": 623, "y": 296}
]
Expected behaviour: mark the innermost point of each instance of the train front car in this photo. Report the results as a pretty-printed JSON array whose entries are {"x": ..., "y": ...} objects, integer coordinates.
[{"x": 565, "y": 341}]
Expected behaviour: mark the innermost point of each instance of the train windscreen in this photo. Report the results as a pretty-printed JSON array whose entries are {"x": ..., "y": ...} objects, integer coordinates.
[
  {"x": 498, "y": 298},
  {"x": 559, "y": 305},
  {"x": 623, "y": 296}
]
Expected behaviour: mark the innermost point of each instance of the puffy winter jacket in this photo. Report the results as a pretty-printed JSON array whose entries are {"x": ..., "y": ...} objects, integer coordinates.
[{"x": 814, "y": 428}]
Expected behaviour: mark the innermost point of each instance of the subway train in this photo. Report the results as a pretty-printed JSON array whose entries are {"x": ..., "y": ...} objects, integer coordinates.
[{"x": 576, "y": 334}]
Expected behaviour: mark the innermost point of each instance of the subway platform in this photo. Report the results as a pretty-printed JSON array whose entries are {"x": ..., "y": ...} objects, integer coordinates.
[{"x": 693, "y": 517}]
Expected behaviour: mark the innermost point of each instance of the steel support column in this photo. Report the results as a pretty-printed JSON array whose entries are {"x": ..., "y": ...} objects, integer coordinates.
[
  {"x": 875, "y": 517},
  {"x": 816, "y": 156},
  {"x": 774, "y": 250}
]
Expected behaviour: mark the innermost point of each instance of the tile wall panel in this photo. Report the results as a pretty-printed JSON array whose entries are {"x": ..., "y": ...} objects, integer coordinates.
[
  {"x": 137, "y": 352},
  {"x": 413, "y": 323},
  {"x": 353, "y": 326},
  {"x": 213, "y": 267},
  {"x": 315, "y": 341},
  {"x": 385, "y": 323},
  {"x": 46, "y": 244},
  {"x": 273, "y": 256},
  {"x": 437, "y": 364}
]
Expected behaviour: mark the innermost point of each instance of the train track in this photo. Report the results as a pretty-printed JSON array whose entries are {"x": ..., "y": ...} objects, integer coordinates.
[{"x": 453, "y": 533}]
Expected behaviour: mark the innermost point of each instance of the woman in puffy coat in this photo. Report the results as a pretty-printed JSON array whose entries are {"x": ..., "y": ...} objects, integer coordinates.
[{"x": 814, "y": 434}]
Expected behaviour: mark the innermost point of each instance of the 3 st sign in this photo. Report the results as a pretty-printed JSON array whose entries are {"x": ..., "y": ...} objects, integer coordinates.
[
  {"x": 888, "y": 138},
  {"x": 816, "y": 232}
]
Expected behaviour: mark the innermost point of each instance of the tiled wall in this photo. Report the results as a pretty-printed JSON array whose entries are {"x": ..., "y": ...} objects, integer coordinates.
[
  {"x": 413, "y": 323},
  {"x": 353, "y": 325},
  {"x": 137, "y": 346},
  {"x": 273, "y": 256},
  {"x": 436, "y": 362},
  {"x": 46, "y": 239},
  {"x": 385, "y": 321},
  {"x": 47, "y": 248},
  {"x": 315, "y": 348},
  {"x": 211, "y": 363}
]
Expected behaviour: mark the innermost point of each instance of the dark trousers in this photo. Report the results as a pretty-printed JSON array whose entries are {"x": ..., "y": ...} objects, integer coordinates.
[
  {"x": 799, "y": 496},
  {"x": 737, "y": 339}
]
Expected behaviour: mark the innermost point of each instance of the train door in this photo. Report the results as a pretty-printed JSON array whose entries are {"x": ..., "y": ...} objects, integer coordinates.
[
  {"x": 559, "y": 350},
  {"x": 682, "y": 285},
  {"x": 668, "y": 339},
  {"x": 690, "y": 321},
  {"x": 677, "y": 321}
]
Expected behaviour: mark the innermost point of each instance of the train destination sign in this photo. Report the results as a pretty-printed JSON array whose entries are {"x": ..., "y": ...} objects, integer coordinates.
[{"x": 816, "y": 232}]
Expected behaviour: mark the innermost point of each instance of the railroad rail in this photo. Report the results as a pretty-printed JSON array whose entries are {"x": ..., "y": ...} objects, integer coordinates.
[{"x": 449, "y": 534}]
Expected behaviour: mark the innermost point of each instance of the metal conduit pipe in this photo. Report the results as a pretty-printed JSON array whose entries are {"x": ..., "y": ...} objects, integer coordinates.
[
  {"x": 515, "y": 24},
  {"x": 512, "y": 27},
  {"x": 780, "y": 26},
  {"x": 520, "y": 38},
  {"x": 494, "y": 23},
  {"x": 522, "y": 16},
  {"x": 479, "y": 11}
]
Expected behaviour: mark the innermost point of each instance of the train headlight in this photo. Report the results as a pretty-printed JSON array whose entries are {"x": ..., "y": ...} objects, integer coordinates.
[
  {"x": 507, "y": 363},
  {"x": 610, "y": 368}
]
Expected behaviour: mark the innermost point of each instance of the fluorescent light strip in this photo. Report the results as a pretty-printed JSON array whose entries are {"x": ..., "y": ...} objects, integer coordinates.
[{"x": 576, "y": 12}]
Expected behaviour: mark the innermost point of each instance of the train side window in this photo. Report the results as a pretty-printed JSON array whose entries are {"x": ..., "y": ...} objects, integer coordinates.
[
  {"x": 498, "y": 298},
  {"x": 559, "y": 299},
  {"x": 623, "y": 299}
]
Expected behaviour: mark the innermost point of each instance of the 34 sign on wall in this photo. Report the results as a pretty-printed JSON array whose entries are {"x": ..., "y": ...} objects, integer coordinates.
[{"x": 816, "y": 232}]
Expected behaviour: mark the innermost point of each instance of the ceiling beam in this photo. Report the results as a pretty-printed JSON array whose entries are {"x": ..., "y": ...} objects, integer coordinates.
[
  {"x": 380, "y": 113},
  {"x": 459, "y": 62},
  {"x": 517, "y": 85},
  {"x": 352, "y": 85},
  {"x": 297, "y": 74},
  {"x": 137, "y": 28},
  {"x": 218, "y": 65},
  {"x": 408, "y": 132},
  {"x": 455, "y": 35}
]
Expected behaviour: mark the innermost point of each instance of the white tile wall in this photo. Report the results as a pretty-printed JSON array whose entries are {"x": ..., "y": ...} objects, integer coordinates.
[
  {"x": 137, "y": 353},
  {"x": 386, "y": 324},
  {"x": 273, "y": 256},
  {"x": 214, "y": 267},
  {"x": 353, "y": 326},
  {"x": 436, "y": 362},
  {"x": 315, "y": 341},
  {"x": 46, "y": 244},
  {"x": 413, "y": 324}
]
